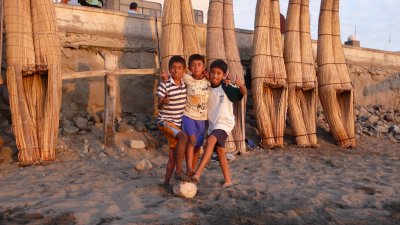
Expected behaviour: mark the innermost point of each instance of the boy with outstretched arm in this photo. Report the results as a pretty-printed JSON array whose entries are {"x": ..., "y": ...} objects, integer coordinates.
[
  {"x": 220, "y": 117},
  {"x": 172, "y": 100}
]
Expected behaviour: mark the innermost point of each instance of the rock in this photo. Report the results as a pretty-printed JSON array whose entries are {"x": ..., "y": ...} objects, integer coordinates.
[
  {"x": 389, "y": 118},
  {"x": 139, "y": 126},
  {"x": 80, "y": 122},
  {"x": 358, "y": 129},
  {"x": 122, "y": 127},
  {"x": 363, "y": 112},
  {"x": 143, "y": 164},
  {"x": 66, "y": 123},
  {"x": 7, "y": 154},
  {"x": 369, "y": 133},
  {"x": 395, "y": 129},
  {"x": 82, "y": 132},
  {"x": 151, "y": 126},
  {"x": 95, "y": 118},
  {"x": 70, "y": 130},
  {"x": 185, "y": 189},
  {"x": 382, "y": 128},
  {"x": 397, "y": 137},
  {"x": 143, "y": 118},
  {"x": 251, "y": 131},
  {"x": 373, "y": 119},
  {"x": 73, "y": 106},
  {"x": 102, "y": 154},
  {"x": 136, "y": 144}
]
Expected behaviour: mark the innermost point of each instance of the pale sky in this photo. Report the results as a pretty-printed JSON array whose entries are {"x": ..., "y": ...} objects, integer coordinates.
[
  {"x": 374, "y": 19},
  {"x": 377, "y": 21}
]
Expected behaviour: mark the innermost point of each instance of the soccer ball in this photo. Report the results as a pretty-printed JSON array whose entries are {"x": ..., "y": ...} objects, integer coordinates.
[{"x": 185, "y": 189}]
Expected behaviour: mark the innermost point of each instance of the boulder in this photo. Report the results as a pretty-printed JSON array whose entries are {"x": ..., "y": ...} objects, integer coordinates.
[
  {"x": 70, "y": 130},
  {"x": 184, "y": 189},
  {"x": 382, "y": 128},
  {"x": 7, "y": 154},
  {"x": 143, "y": 164},
  {"x": 139, "y": 126},
  {"x": 80, "y": 122},
  {"x": 373, "y": 119},
  {"x": 395, "y": 129},
  {"x": 136, "y": 144},
  {"x": 122, "y": 127},
  {"x": 251, "y": 131}
]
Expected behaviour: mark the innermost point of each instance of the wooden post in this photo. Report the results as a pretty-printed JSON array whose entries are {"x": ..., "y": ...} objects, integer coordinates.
[
  {"x": 1, "y": 37},
  {"x": 110, "y": 98}
]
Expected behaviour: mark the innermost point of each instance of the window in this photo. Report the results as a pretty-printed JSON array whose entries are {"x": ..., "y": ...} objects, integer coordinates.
[
  {"x": 149, "y": 11},
  {"x": 198, "y": 16}
]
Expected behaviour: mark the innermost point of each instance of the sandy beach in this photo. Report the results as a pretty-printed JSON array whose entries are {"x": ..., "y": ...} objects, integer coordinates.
[{"x": 328, "y": 185}]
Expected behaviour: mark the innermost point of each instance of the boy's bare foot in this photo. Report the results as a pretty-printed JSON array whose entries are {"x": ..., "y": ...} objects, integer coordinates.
[
  {"x": 227, "y": 184},
  {"x": 182, "y": 177},
  {"x": 195, "y": 179},
  {"x": 189, "y": 173},
  {"x": 164, "y": 185}
]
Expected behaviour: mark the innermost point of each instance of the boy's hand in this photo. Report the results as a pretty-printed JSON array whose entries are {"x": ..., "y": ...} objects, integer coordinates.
[
  {"x": 164, "y": 77},
  {"x": 239, "y": 82},
  {"x": 227, "y": 76},
  {"x": 242, "y": 86},
  {"x": 206, "y": 74},
  {"x": 165, "y": 100}
]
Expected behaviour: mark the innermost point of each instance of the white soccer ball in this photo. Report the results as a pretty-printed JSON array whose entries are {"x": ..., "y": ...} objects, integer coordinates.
[{"x": 185, "y": 189}]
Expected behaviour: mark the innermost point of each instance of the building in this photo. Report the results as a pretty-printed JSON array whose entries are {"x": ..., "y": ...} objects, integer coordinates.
[{"x": 153, "y": 7}]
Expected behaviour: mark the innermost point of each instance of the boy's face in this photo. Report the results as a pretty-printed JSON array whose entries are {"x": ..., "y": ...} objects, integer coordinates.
[
  {"x": 196, "y": 67},
  {"x": 177, "y": 70},
  {"x": 216, "y": 76}
]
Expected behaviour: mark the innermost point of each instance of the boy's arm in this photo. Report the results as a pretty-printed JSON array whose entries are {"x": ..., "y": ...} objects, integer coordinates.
[
  {"x": 242, "y": 87},
  {"x": 162, "y": 95},
  {"x": 234, "y": 93}
]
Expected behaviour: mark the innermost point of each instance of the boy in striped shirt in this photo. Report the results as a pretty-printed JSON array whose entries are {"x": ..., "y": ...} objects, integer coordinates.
[{"x": 171, "y": 102}]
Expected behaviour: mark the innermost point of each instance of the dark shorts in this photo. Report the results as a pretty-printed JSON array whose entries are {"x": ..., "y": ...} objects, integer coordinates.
[
  {"x": 221, "y": 136},
  {"x": 194, "y": 127}
]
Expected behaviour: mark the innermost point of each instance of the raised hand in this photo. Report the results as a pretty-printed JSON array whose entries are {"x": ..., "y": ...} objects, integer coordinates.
[{"x": 164, "y": 77}]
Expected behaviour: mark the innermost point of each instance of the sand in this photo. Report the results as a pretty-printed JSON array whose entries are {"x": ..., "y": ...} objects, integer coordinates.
[{"x": 328, "y": 185}]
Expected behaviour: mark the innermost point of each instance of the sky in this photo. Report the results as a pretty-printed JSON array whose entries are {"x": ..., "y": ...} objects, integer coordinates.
[{"x": 376, "y": 21}]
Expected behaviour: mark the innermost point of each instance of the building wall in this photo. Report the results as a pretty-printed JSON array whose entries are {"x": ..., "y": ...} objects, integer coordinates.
[{"x": 84, "y": 32}]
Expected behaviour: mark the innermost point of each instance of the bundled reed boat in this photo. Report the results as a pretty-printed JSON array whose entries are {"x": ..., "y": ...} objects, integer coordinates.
[
  {"x": 178, "y": 35},
  {"x": 33, "y": 76},
  {"x": 269, "y": 81},
  {"x": 300, "y": 69},
  {"x": 335, "y": 90},
  {"x": 221, "y": 44}
]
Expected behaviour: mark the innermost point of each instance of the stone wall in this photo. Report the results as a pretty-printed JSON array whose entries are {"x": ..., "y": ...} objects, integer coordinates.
[{"x": 84, "y": 32}]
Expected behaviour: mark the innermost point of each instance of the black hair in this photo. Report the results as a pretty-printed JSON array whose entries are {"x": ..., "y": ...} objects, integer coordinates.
[
  {"x": 196, "y": 57},
  {"x": 133, "y": 5},
  {"x": 176, "y": 59},
  {"x": 220, "y": 64}
]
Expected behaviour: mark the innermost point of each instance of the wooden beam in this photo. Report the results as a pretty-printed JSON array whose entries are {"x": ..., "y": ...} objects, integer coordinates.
[{"x": 102, "y": 73}]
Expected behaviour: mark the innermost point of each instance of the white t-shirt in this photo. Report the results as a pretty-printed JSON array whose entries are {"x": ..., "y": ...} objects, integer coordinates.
[
  {"x": 220, "y": 107},
  {"x": 197, "y": 97}
]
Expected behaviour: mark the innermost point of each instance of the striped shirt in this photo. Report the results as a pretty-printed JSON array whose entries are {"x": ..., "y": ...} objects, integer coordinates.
[{"x": 173, "y": 110}]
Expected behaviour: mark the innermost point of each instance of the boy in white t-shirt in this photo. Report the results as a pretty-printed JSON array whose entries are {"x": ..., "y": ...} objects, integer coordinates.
[{"x": 221, "y": 119}]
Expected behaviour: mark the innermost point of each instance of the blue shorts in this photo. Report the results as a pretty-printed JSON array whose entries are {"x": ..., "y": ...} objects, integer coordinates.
[{"x": 194, "y": 127}]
